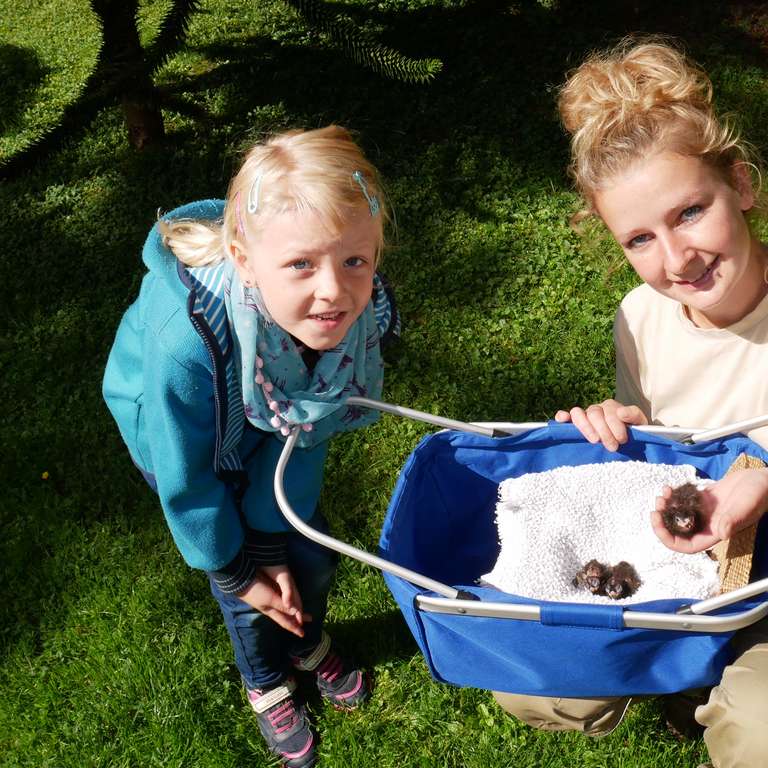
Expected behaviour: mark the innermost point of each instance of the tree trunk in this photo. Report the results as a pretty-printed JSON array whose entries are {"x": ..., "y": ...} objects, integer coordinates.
[
  {"x": 144, "y": 121},
  {"x": 126, "y": 70}
]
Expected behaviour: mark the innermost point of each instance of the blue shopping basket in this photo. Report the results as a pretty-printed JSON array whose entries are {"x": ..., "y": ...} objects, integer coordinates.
[{"x": 439, "y": 536}]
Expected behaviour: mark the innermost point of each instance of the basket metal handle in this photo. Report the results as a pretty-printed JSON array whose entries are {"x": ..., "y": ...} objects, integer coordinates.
[
  {"x": 339, "y": 546},
  {"x": 503, "y": 429},
  {"x": 728, "y": 598},
  {"x": 631, "y": 619}
]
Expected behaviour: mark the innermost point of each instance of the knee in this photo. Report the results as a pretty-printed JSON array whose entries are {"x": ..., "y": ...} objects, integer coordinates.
[
  {"x": 593, "y": 717},
  {"x": 736, "y": 720}
]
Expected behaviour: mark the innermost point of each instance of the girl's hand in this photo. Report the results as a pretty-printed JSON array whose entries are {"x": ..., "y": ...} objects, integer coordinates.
[
  {"x": 604, "y": 422},
  {"x": 273, "y": 592},
  {"x": 727, "y": 506}
]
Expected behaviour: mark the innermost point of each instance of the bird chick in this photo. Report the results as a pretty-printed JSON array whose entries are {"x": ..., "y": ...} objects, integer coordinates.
[
  {"x": 682, "y": 513},
  {"x": 622, "y": 581},
  {"x": 592, "y": 577}
]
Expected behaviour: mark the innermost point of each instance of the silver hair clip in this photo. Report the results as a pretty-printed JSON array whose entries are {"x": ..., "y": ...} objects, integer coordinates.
[
  {"x": 373, "y": 201},
  {"x": 253, "y": 195}
]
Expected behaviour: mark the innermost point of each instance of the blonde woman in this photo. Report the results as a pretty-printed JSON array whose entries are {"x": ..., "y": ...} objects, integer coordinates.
[{"x": 673, "y": 183}]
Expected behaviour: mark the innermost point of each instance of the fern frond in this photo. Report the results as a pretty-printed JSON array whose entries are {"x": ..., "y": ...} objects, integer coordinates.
[
  {"x": 173, "y": 31},
  {"x": 361, "y": 49},
  {"x": 77, "y": 116}
]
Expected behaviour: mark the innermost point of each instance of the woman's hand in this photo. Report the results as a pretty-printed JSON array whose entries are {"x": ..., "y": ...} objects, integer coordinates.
[
  {"x": 727, "y": 506},
  {"x": 604, "y": 422},
  {"x": 273, "y": 592}
]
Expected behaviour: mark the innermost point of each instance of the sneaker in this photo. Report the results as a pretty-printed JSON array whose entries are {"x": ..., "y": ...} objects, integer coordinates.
[
  {"x": 337, "y": 680},
  {"x": 284, "y": 724}
]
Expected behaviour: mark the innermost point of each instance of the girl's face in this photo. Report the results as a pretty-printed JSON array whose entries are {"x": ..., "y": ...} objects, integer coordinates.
[
  {"x": 682, "y": 227},
  {"x": 313, "y": 283}
]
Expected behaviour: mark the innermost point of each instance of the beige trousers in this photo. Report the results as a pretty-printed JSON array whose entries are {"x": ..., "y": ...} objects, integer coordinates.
[{"x": 735, "y": 717}]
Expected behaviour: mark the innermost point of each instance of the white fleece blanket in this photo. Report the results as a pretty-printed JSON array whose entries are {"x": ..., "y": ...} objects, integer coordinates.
[{"x": 551, "y": 523}]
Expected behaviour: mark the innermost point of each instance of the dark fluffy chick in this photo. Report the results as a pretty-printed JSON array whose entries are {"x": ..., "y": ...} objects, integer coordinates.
[
  {"x": 592, "y": 576},
  {"x": 682, "y": 514},
  {"x": 622, "y": 581}
]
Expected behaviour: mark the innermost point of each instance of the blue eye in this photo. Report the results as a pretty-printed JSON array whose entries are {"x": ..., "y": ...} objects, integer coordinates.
[
  {"x": 354, "y": 261},
  {"x": 690, "y": 213},
  {"x": 638, "y": 240},
  {"x": 300, "y": 264}
]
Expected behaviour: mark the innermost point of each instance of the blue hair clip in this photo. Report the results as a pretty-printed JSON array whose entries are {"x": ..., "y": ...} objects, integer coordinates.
[{"x": 373, "y": 201}]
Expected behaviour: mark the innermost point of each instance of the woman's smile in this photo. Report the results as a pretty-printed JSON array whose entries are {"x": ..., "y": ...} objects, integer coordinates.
[{"x": 705, "y": 280}]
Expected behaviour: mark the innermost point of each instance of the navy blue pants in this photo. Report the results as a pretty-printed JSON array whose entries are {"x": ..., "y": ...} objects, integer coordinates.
[{"x": 263, "y": 649}]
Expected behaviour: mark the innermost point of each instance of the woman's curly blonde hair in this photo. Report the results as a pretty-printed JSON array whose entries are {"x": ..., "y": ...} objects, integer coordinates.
[{"x": 640, "y": 97}]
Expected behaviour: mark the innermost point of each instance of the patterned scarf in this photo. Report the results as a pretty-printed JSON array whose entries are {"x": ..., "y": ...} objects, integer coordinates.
[{"x": 279, "y": 391}]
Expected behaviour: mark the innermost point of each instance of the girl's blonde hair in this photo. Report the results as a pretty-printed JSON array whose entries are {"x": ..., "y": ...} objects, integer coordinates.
[
  {"x": 301, "y": 171},
  {"x": 639, "y": 97}
]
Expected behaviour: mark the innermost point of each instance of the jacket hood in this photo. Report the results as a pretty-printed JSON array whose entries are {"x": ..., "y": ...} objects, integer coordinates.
[{"x": 161, "y": 260}]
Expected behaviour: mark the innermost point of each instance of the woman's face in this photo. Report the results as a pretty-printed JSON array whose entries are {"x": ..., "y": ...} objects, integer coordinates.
[{"x": 681, "y": 225}]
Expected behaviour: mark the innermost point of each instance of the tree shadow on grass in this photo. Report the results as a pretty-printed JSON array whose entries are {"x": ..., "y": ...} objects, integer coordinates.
[
  {"x": 494, "y": 53},
  {"x": 21, "y": 71}
]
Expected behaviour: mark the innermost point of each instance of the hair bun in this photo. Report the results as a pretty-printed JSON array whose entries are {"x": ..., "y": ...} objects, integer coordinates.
[
  {"x": 638, "y": 97},
  {"x": 611, "y": 89}
]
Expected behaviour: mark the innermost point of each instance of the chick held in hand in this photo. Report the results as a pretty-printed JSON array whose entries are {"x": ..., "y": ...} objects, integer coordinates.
[{"x": 682, "y": 513}]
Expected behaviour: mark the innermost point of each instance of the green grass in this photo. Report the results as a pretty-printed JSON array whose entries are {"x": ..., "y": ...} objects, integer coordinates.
[{"x": 111, "y": 650}]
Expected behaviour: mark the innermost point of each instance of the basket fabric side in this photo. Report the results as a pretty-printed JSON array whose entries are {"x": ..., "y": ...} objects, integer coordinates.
[{"x": 541, "y": 659}]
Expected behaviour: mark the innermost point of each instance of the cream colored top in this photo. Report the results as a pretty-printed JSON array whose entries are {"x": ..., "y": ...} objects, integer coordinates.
[{"x": 685, "y": 376}]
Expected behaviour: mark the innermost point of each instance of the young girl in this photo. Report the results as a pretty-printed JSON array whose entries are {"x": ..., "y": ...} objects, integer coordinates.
[
  {"x": 672, "y": 183},
  {"x": 259, "y": 315}
]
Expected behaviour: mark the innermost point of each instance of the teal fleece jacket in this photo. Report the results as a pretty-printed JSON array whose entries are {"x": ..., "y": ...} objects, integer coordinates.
[{"x": 161, "y": 386}]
